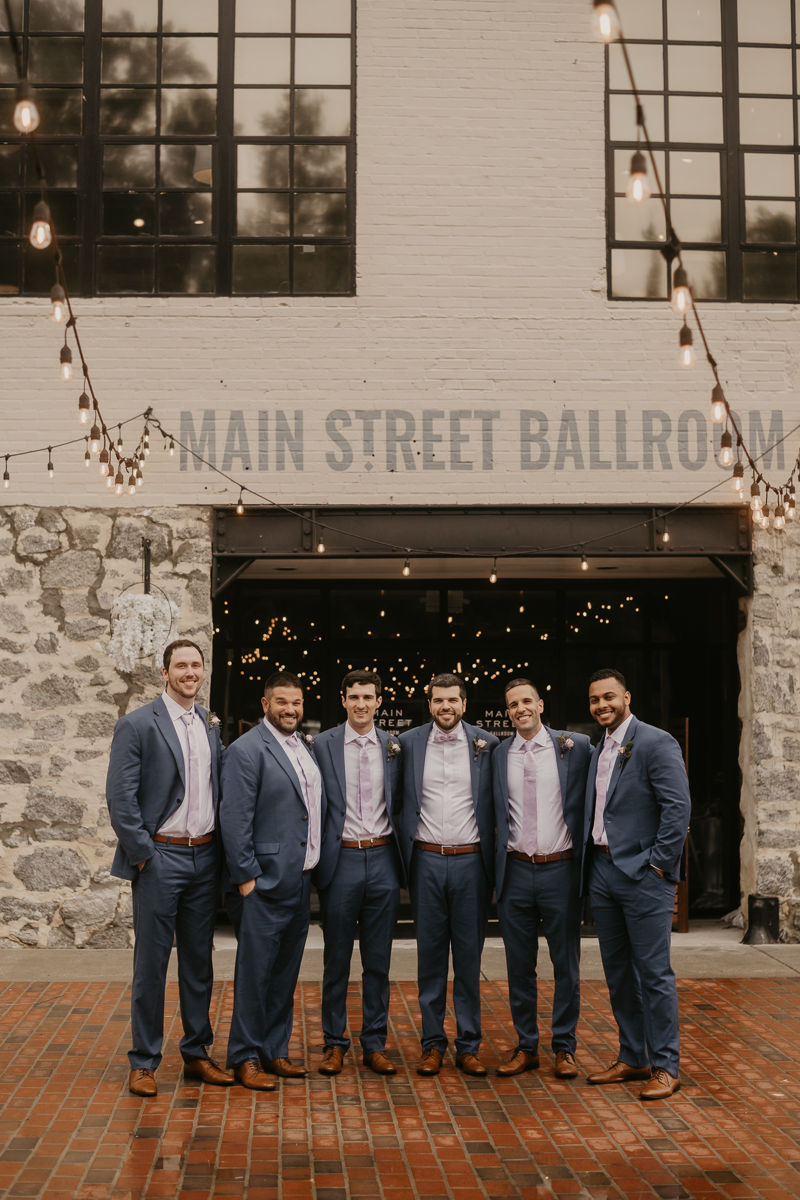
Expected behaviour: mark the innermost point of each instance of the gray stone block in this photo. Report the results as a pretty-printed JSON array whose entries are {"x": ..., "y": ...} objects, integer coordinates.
[
  {"x": 11, "y": 647},
  {"x": 43, "y": 805},
  {"x": 12, "y": 618},
  {"x": 11, "y": 721},
  {"x": 87, "y": 663},
  {"x": 52, "y": 520},
  {"x": 12, "y": 771},
  {"x": 20, "y": 908},
  {"x": 110, "y": 938},
  {"x": 56, "y": 691},
  {"x": 53, "y": 728},
  {"x": 775, "y": 876},
  {"x": 51, "y": 867},
  {"x": 72, "y": 569},
  {"x": 96, "y": 725},
  {"x": 37, "y": 542},
  {"x": 85, "y": 629},
  {"x": 11, "y": 669},
  {"x": 60, "y": 939},
  {"x": 46, "y": 643},
  {"x": 88, "y": 913},
  {"x": 14, "y": 580},
  {"x": 126, "y": 540},
  {"x": 32, "y": 746}
]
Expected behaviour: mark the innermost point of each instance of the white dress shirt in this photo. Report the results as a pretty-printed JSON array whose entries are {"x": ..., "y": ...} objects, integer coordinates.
[
  {"x": 447, "y": 811},
  {"x": 314, "y": 801},
  {"x": 177, "y": 825},
  {"x": 552, "y": 832},
  {"x": 607, "y": 763},
  {"x": 354, "y": 830}
]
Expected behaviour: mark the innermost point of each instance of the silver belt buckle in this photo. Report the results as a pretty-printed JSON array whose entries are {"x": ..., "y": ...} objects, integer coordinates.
[
  {"x": 194, "y": 841},
  {"x": 442, "y": 850}
]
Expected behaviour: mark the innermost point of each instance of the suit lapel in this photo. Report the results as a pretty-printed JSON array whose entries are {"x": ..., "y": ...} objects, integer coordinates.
[
  {"x": 474, "y": 764},
  {"x": 619, "y": 765},
  {"x": 167, "y": 729},
  {"x": 336, "y": 751},
  {"x": 562, "y": 763},
  {"x": 502, "y": 752},
  {"x": 209, "y": 734},
  {"x": 420, "y": 749},
  {"x": 383, "y": 742},
  {"x": 282, "y": 759}
]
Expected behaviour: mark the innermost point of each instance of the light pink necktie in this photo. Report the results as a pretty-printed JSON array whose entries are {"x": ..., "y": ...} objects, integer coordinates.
[
  {"x": 307, "y": 780},
  {"x": 605, "y": 765},
  {"x": 530, "y": 813},
  {"x": 193, "y": 779},
  {"x": 365, "y": 811}
]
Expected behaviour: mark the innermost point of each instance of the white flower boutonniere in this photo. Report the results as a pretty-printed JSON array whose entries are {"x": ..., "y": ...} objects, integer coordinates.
[
  {"x": 213, "y": 720},
  {"x": 565, "y": 743},
  {"x": 479, "y": 746},
  {"x": 308, "y": 739},
  {"x": 624, "y": 753},
  {"x": 393, "y": 748}
]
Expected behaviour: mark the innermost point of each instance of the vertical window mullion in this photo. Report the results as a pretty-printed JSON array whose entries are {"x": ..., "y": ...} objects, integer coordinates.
[
  {"x": 665, "y": 32},
  {"x": 90, "y": 177},
  {"x": 224, "y": 177},
  {"x": 733, "y": 203}
]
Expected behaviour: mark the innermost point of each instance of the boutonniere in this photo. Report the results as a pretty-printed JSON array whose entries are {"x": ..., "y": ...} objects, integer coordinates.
[
  {"x": 212, "y": 720},
  {"x": 479, "y": 746},
  {"x": 565, "y": 743},
  {"x": 308, "y": 739},
  {"x": 393, "y": 748},
  {"x": 625, "y": 752}
]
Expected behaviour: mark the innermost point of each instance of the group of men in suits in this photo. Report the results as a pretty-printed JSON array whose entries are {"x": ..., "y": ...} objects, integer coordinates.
[{"x": 445, "y": 810}]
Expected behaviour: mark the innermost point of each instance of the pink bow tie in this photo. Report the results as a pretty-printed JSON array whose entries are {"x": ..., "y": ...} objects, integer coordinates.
[{"x": 441, "y": 737}]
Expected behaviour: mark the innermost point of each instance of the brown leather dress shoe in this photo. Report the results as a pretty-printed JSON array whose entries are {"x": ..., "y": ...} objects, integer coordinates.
[
  {"x": 660, "y": 1086},
  {"x": 566, "y": 1067},
  {"x": 142, "y": 1082},
  {"x": 332, "y": 1061},
  {"x": 470, "y": 1064},
  {"x": 285, "y": 1068},
  {"x": 618, "y": 1072},
  {"x": 251, "y": 1075},
  {"x": 430, "y": 1063},
  {"x": 379, "y": 1062},
  {"x": 520, "y": 1061},
  {"x": 209, "y": 1071}
]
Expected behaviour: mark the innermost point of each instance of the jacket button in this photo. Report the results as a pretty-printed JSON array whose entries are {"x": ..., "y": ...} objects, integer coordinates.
[
  {"x": 417, "y": 812},
  {"x": 302, "y": 843},
  {"x": 508, "y": 822},
  {"x": 344, "y": 812},
  {"x": 305, "y": 816},
  {"x": 338, "y": 838}
]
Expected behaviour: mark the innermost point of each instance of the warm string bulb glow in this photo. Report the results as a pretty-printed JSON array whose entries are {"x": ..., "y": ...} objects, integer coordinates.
[
  {"x": 41, "y": 235},
  {"x": 779, "y": 520},
  {"x": 665, "y": 535},
  {"x": 66, "y": 363},
  {"x": 171, "y": 448},
  {"x": 6, "y": 476},
  {"x": 584, "y": 563},
  {"x": 687, "y": 355},
  {"x": 320, "y": 545},
  {"x": 605, "y": 20},
  {"x": 718, "y": 405},
  {"x": 50, "y": 468},
  {"x": 738, "y": 477},
  {"x": 131, "y": 485},
  {"x": 638, "y": 188},
  {"x": 119, "y": 437},
  {"x": 681, "y": 299},
  {"x": 87, "y": 458},
  {"x": 95, "y": 439},
  {"x": 84, "y": 408},
  {"x": 755, "y": 497},
  {"x": 725, "y": 456},
  {"x": 493, "y": 575},
  {"x": 103, "y": 462},
  {"x": 109, "y": 478},
  {"x": 58, "y": 301},
  {"x": 119, "y": 482},
  {"x": 407, "y": 567},
  {"x": 26, "y": 113},
  {"x": 239, "y": 504}
]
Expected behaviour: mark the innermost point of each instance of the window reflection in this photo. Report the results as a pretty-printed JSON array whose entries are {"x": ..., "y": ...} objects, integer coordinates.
[
  {"x": 261, "y": 112},
  {"x": 129, "y": 166},
  {"x": 769, "y": 174},
  {"x": 638, "y": 274},
  {"x": 55, "y": 60},
  {"x": 323, "y": 16},
  {"x": 622, "y": 164},
  {"x": 125, "y": 269},
  {"x": 187, "y": 269},
  {"x": 694, "y": 172},
  {"x": 190, "y": 16},
  {"x": 765, "y": 71},
  {"x": 185, "y": 166},
  {"x": 639, "y": 222},
  {"x": 322, "y": 113},
  {"x": 764, "y": 21},
  {"x": 770, "y": 220},
  {"x": 695, "y": 69},
  {"x": 648, "y": 68},
  {"x": 263, "y": 214},
  {"x": 698, "y": 220},
  {"x": 320, "y": 166},
  {"x": 262, "y": 60},
  {"x": 189, "y": 60},
  {"x": 320, "y": 214},
  {"x": 129, "y": 215},
  {"x": 707, "y": 271},
  {"x": 770, "y": 275},
  {"x": 188, "y": 113},
  {"x": 125, "y": 111},
  {"x": 695, "y": 119},
  {"x": 765, "y": 122},
  {"x": 264, "y": 166},
  {"x": 261, "y": 270},
  {"x": 130, "y": 16},
  {"x": 185, "y": 214},
  {"x": 319, "y": 270},
  {"x": 263, "y": 16},
  {"x": 129, "y": 60},
  {"x": 640, "y": 18},
  {"x": 321, "y": 61},
  {"x": 693, "y": 20},
  {"x": 56, "y": 16}
]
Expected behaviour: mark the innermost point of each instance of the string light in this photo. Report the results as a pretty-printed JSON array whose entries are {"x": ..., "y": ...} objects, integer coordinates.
[
  {"x": 755, "y": 497},
  {"x": 66, "y": 363},
  {"x": 103, "y": 462},
  {"x": 26, "y": 112},
  {"x": 109, "y": 478},
  {"x": 605, "y": 20},
  {"x": 407, "y": 568},
  {"x": 171, "y": 448},
  {"x": 719, "y": 405},
  {"x": 687, "y": 354},
  {"x": 119, "y": 437},
  {"x": 738, "y": 477},
  {"x": 665, "y": 534},
  {"x": 41, "y": 235},
  {"x": 584, "y": 563},
  {"x": 239, "y": 504},
  {"x": 131, "y": 485},
  {"x": 58, "y": 300},
  {"x": 779, "y": 519},
  {"x": 681, "y": 299},
  {"x": 493, "y": 576},
  {"x": 95, "y": 439},
  {"x": 84, "y": 408},
  {"x": 50, "y": 467},
  {"x": 320, "y": 544},
  {"x": 790, "y": 504},
  {"x": 119, "y": 482},
  {"x": 638, "y": 188},
  {"x": 87, "y": 458},
  {"x": 6, "y": 476},
  {"x": 725, "y": 456}
]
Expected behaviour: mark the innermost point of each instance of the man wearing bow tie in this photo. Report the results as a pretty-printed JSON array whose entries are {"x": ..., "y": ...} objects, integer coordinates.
[
  {"x": 272, "y": 825},
  {"x": 446, "y": 830},
  {"x": 637, "y": 816}
]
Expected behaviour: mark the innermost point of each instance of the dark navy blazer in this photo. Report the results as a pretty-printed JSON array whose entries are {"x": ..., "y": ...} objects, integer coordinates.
[
  {"x": 647, "y": 805},
  {"x": 415, "y": 746},
  {"x": 146, "y": 782},
  {"x": 329, "y": 753},
  {"x": 263, "y": 815},
  {"x": 573, "y": 766}
]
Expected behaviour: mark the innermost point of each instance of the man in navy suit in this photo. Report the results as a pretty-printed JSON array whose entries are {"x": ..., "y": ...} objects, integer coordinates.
[
  {"x": 272, "y": 817},
  {"x": 446, "y": 831},
  {"x": 163, "y": 791},
  {"x": 539, "y": 780},
  {"x": 637, "y": 816},
  {"x": 359, "y": 873}
]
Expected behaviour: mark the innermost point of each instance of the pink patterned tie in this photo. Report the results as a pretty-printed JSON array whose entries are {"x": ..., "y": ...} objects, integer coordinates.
[
  {"x": 365, "y": 811},
  {"x": 193, "y": 779},
  {"x": 307, "y": 781},
  {"x": 530, "y": 815}
]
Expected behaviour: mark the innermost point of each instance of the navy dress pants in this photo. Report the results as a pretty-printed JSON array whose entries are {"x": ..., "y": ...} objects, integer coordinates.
[
  {"x": 450, "y": 902},
  {"x": 174, "y": 896},
  {"x": 272, "y": 935},
  {"x": 362, "y": 898},
  {"x": 634, "y": 925},
  {"x": 550, "y": 892}
]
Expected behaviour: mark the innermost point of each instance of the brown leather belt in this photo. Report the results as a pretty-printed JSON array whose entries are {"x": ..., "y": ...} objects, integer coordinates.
[
  {"x": 365, "y": 843},
  {"x": 434, "y": 849},
  {"x": 542, "y": 858},
  {"x": 602, "y": 849},
  {"x": 169, "y": 840}
]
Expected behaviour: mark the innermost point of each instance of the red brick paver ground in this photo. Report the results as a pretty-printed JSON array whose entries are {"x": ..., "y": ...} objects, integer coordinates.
[{"x": 69, "y": 1128}]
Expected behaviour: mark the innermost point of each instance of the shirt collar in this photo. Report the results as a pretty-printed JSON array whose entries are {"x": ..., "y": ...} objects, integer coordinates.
[
  {"x": 279, "y": 734},
  {"x": 542, "y": 738},
  {"x": 459, "y": 731},
  {"x": 618, "y": 735},
  {"x": 351, "y": 734},
  {"x": 175, "y": 710}
]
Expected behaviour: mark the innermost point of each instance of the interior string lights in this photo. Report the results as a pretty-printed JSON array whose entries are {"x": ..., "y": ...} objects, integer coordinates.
[{"x": 608, "y": 27}]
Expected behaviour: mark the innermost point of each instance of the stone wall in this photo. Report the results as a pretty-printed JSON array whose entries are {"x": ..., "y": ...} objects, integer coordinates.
[
  {"x": 61, "y": 696},
  {"x": 769, "y": 707}
]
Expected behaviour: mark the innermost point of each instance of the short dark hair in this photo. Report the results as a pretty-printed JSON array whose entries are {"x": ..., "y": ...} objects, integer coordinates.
[
  {"x": 512, "y": 683},
  {"x": 447, "y": 680},
  {"x": 176, "y": 645},
  {"x": 365, "y": 677},
  {"x": 609, "y": 673},
  {"x": 282, "y": 679}
]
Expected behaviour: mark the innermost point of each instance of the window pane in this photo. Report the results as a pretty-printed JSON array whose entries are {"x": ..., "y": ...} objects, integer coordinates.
[
  {"x": 320, "y": 166},
  {"x": 695, "y": 69},
  {"x": 129, "y": 166},
  {"x": 320, "y": 214},
  {"x": 638, "y": 273},
  {"x": 693, "y": 20},
  {"x": 622, "y": 113},
  {"x": 707, "y": 273},
  {"x": 260, "y": 112},
  {"x": 647, "y": 63},
  {"x": 697, "y": 220},
  {"x": 190, "y": 16},
  {"x": 191, "y": 112},
  {"x": 128, "y": 60},
  {"x": 16, "y": 15},
  {"x": 10, "y": 162},
  {"x": 189, "y": 269},
  {"x": 38, "y": 268},
  {"x": 60, "y": 165},
  {"x": 62, "y": 17},
  {"x": 125, "y": 269},
  {"x": 263, "y": 16},
  {"x": 622, "y": 167},
  {"x": 639, "y": 222},
  {"x": 61, "y": 111},
  {"x": 263, "y": 166},
  {"x": 323, "y": 16},
  {"x": 185, "y": 166},
  {"x": 63, "y": 206},
  {"x": 261, "y": 269},
  {"x": 189, "y": 60},
  {"x": 770, "y": 275},
  {"x": 130, "y": 16},
  {"x": 640, "y": 18},
  {"x": 127, "y": 216},
  {"x": 320, "y": 269},
  {"x": 9, "y": 270},
  {"x": 770, "y": 221},
  {"x": 695, "y": 118},
  {"x": 694, "y": 173},
  {"x": 321, "y": 113},
  {"x": 769, "y": 174},
  {"x": 321, "y": 60},
  {"x": 55, "y": 60},
  {"x": 263, "y": 214},
  {"x": 765, "y": 21},
  {"x": 185, "y": 214},
  {"x": 8, "y": 64},
  {"x": 765, "y": 123},
  {"x": 262, "y": 60},
  {"x": 9, "y": 214},
  {"x": 762, "y": 70},
  {"x": 125, "y": 111}
]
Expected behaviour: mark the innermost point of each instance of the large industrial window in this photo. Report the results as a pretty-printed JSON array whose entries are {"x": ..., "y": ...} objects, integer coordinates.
[
  {"x": 190, "y": 146},
  {"x": 719, "y": 83}
]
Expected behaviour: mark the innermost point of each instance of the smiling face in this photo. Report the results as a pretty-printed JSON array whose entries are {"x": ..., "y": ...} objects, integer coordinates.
[
  {"x": 524, "y": 709},
  {"x": 184, "y": 676},
  {"x": 447, "y": 707},
  {"x": 283, "y": 708},
  {"x": 361, "y": 703},
  {"x": 609, "y": 703}
]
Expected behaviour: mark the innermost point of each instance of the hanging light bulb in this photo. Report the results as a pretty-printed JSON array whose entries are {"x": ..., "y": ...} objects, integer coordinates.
[
  {"x": 605, "y": 20},
  {"x": 638, "y": 188},
  {"x": 119, "y": 481},
  {"x": 171, "y": 448},
  {"x": 779, "y": 519},
  {"x": 320, "y": 545},
  {"x": 718, "y": 405},
  {"x": 103, "y": 462},
  {"x": 6, "y": 476},
  {"x": 146, "y": 444},
  {"x": 725, "y": 456},
  {"x": 110, "y": 478},
  {"x": 681, "y": 299},
  {"x": 493, "y": 576},
  {"x": 755, "y": 497},
  {"x": 131, "y": 485},
  {"x": 58, "y": 300},
  {"x": 407, "y": 568},
  {"x": 95, "y": 439},
  {"x": 738, "y": 477},
  {"x": 764, "y": 517},
  {"x": 139, "y": 477},
  {"x": 84, "y": 408},
  {"x": 240, "y": 505},
  {"x": 790, "y": 506},
  {"x": 584, "y": 563},
  {"x": 665, "y": 535},
  {"x": 41, "y": 234},
  {"x": 50, "y": 468},
  {"x": 26, "y": 113},
  {"x": 687, "y": 355},
  {"x": 66, "y": 363},
  {"x": 87, "y": 458},
  {"x": 119, "y": 437}
]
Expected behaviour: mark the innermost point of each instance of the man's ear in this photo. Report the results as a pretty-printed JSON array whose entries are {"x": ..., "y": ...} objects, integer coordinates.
[
  {"x": 344, "y": 702},
  {"x": 379, "y": 701}
]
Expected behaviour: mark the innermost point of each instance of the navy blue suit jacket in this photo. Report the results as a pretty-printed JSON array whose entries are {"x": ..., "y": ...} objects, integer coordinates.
[
  {"x": 329, "y": 753},
  {"x": 146, "y": 781},
  {"x": 647, "y": 804},
  {"x": 415, "y": 745},
  {"x": 263, "y": 815},
  {"x": 573, "y": 768}
]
